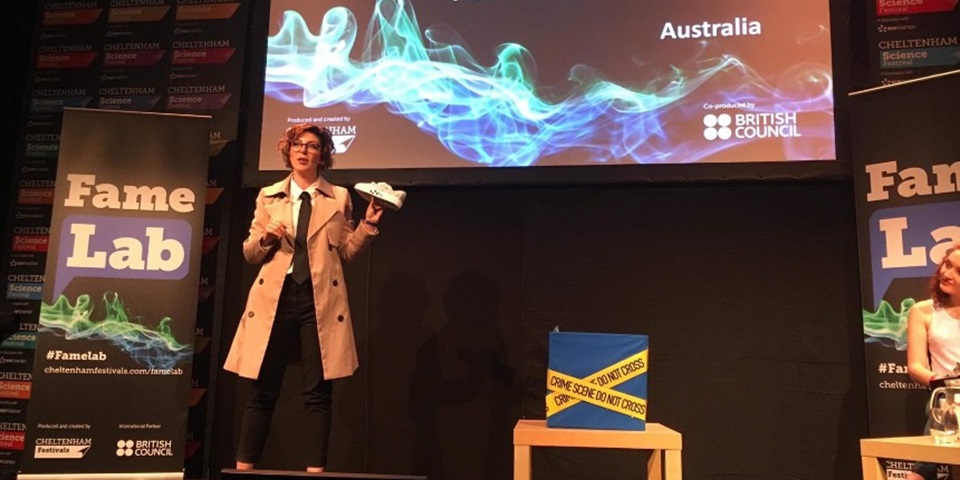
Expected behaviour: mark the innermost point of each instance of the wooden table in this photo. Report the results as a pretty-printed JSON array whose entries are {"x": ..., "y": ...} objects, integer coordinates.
[
  {"x": 921, "y": 449},
  {"x": 664, "y": 442}
]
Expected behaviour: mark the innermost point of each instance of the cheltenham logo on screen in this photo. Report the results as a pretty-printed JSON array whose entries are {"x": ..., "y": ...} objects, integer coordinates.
[
  {"x": 739, "y": 27},
  {"x": 748, "y": 126},
  {"x": 342, "y": 136},
  {"x": 342, "y": 143}
]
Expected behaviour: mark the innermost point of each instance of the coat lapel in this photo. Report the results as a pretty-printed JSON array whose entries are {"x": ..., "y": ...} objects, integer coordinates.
[
  {"x": 324, "y": 207},
  {"x": 280, "y": 207}
]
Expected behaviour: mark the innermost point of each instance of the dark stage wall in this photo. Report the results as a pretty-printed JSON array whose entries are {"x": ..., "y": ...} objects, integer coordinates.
[
  {"x": 18, "y": 19},
  {"x": 749, "y": 293}
]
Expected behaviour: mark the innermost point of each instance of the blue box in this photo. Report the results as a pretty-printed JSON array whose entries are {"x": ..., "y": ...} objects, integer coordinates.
[{"x": 597, "y": 380}]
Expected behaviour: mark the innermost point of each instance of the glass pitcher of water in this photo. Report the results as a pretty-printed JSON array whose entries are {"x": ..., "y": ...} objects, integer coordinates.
[{"x": 944, "y": 408}]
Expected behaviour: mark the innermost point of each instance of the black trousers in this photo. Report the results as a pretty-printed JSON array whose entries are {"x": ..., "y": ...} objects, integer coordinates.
[{"x": 294, "y": 334}]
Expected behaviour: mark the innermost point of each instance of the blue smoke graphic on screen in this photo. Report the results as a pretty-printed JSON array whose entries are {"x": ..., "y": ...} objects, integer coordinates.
[{"x": 497, "y": 115}]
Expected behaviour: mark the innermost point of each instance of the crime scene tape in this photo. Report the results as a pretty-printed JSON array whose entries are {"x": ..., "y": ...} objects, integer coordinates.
[{"x": 597, "y": 389}]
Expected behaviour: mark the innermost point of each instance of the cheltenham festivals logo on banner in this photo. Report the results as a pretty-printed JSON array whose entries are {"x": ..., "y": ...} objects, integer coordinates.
[{"x": 62, "y": 447}]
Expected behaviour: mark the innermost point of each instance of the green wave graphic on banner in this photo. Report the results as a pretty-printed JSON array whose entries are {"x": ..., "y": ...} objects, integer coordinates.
[
  {"x": 154, "y": 348},
  {"x": 887, "y": 325}
]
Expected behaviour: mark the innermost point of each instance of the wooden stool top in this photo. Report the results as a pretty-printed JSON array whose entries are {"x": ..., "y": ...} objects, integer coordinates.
[
  {"x": 919, "y": 448},
  {"x": 655, "y": 437}
]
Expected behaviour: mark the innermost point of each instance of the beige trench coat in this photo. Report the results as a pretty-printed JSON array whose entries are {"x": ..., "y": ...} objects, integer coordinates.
[{"x": 331, "y": 236}]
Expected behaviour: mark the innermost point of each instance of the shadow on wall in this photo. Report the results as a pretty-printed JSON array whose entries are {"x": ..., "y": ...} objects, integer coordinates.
[{"x": 462, "y": 386}]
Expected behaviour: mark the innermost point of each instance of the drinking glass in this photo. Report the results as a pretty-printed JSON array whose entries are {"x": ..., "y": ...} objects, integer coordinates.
[{"x": 943, "y": 422}]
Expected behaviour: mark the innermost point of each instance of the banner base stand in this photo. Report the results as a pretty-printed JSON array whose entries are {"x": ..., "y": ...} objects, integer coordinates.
[
  {"x": 230, "y": 474},
  {"x": 102, "y": 476}
]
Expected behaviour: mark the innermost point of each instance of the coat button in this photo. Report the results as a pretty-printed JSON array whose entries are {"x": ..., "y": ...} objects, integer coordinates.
[
  {"x": 335, "y": 283},
  {"x": 260, "y": 281},
  {"x": 250, "y": 314},
  {"x": 339, "y": 318}
]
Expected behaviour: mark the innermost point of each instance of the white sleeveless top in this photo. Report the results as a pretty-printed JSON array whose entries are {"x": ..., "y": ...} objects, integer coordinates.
[{"x": 943, "y": 341}]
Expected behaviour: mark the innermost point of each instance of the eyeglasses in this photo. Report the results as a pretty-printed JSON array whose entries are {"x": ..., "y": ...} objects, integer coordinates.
[{"x": 310, "y": 146}]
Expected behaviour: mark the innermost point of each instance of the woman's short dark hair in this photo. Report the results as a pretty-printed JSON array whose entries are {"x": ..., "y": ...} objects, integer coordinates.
[
  {"x": 938, "y": 296},
  {"x": 294, "y": 132}
]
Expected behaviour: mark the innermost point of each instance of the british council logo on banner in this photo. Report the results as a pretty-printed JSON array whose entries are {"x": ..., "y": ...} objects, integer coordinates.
[{"x": 144, "y": 448}]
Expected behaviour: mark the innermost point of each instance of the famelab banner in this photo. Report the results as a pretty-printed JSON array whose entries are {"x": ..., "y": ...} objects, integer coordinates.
[
  {"x": 906, "y": 155},
  {"x": 113, "y": 358}
]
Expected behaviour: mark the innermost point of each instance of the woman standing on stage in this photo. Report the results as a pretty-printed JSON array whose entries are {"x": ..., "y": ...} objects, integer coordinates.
[
  {"x": 301, "y": 230},
  {"x": 933, "y": 335}
]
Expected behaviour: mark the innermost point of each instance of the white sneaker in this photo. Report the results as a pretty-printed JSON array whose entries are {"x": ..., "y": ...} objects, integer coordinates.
[{"x": 383, "y": 192}]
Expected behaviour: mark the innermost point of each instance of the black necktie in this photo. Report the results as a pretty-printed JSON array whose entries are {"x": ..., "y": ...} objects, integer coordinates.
[{"x": 301, "y": 261}]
